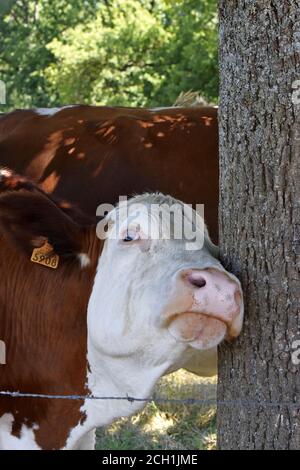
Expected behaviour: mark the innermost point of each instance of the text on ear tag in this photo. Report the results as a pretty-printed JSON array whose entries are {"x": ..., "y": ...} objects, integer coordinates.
[{"x": 45, "y": 256}]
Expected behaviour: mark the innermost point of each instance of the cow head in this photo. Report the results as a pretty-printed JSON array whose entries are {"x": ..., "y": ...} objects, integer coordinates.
[{"x": 154, "y": 299}]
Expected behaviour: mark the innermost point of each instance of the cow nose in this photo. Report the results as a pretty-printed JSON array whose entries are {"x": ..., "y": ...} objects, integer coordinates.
[
  {"x": 196, "y": 279},
  {"x": 216, "y": 294}
]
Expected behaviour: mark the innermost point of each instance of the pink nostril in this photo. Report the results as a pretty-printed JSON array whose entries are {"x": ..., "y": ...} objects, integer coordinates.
[{"x": 196, "y": 280}]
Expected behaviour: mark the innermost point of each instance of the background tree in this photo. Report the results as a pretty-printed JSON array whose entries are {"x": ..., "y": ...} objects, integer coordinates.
[
  {"x": 259, "y": 220},
  {"x": 115, "y": 57},
  {"x": 26, "y": 27},
  {"x": 125, "y": 52},
  {"x": 191, "y": 53}
]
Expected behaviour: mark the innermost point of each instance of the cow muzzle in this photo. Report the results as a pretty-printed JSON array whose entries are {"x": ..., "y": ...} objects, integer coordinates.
[{"x": 215, "y": 310}]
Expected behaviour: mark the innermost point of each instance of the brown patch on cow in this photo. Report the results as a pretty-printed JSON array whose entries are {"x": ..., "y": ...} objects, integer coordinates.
[
  {"x": 98, "y": 170},
  {"x": 106, "y": 132},
  {"x": 64, "y": 204},
  {"x": 46, "y": 155},
  {"x": 146, "y": 124},
  {"x": 70, "y": 141},
  {"x": 178, "y": 118},
  {"x": 207, "y": 120},
  {"x": 164, "y": 118},
  {"x": 49, "y": 184},
  {"x": 105, "y": 129}
]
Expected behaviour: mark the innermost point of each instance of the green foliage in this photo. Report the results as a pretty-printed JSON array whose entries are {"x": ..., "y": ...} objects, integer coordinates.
[
  {"x": 191, "y": 56},
  {"x": 113, "y": 57},
  {"x": 117, "y": 52},
  {"x": 26, "y": 29}
]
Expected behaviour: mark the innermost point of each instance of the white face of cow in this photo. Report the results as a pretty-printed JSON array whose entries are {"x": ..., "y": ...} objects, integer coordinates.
[{"x": 153, "y": 300}]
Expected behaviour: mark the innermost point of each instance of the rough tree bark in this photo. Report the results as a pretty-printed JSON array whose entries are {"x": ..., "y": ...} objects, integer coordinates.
[{"x": 260, "y": 219}]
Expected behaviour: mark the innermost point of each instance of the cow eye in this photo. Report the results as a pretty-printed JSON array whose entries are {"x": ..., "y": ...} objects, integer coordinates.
[{"x": 130, "y": 236}]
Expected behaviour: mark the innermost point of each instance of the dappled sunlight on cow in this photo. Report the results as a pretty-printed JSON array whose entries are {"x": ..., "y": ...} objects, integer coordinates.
[{"x": 93, "y": 154}]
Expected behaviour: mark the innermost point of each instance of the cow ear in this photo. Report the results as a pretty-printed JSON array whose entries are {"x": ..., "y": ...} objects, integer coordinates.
[{"x": 29, "y": 218}]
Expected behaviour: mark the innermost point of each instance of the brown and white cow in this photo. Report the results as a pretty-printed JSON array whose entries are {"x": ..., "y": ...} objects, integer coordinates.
[{"x": 112, "y": 318}]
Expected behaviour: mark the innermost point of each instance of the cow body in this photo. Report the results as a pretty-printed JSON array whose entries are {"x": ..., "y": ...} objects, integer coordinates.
[
  {"x": 117, "y": 313},
  {"x": 88, "y": 155}
]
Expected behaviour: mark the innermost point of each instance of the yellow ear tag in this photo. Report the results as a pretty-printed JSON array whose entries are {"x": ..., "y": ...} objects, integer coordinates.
[{"x": 45, "y": 256}]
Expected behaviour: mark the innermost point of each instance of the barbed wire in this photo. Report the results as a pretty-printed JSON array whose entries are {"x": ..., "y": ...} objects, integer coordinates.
[{"x": 241, "y": 402}]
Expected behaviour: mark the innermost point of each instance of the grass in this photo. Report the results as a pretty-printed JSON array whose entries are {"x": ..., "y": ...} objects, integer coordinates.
[{"x": 168, "y": 426}]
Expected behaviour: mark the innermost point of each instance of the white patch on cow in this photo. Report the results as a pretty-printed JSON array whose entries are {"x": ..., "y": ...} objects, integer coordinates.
[
  {"x": 52, "y": 111},
  {"x": 84, "y": 260},
  {"x": 115, "y": 378},
  {"x": 10, "y": 442}
]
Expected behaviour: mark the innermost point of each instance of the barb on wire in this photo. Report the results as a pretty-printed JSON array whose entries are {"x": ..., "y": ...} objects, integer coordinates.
[{"x": 160, "y": 400}]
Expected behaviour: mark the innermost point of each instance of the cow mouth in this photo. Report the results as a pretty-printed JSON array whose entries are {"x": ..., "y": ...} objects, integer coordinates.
[{"x": 199, "y": 330}]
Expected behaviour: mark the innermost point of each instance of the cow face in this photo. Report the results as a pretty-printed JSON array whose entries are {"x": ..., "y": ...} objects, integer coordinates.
[{"x": 153, "y": 298}]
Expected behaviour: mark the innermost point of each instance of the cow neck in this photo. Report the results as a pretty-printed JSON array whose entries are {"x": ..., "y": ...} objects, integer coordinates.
[{"x": 113, "y": 377}]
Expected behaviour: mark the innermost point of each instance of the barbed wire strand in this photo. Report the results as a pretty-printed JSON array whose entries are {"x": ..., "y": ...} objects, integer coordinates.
[{"x": 158, "y": 400}]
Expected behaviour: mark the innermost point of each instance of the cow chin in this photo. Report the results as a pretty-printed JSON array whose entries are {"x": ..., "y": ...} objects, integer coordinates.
[{"x": 198, "y": 330}]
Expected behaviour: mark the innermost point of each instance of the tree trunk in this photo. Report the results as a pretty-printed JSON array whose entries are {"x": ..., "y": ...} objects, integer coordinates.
[{"x": 260, "y": 220}]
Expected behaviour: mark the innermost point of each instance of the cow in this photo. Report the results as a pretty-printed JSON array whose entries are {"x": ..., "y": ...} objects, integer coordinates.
[
  {"x": 88, "y": 154},
  {"x": 99, "y": 310}
]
